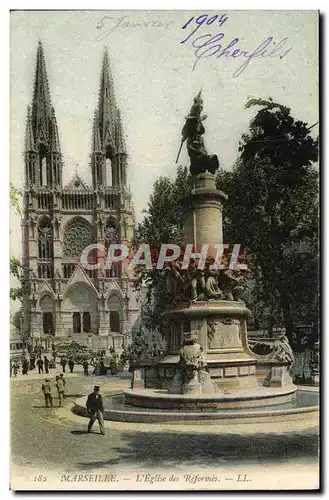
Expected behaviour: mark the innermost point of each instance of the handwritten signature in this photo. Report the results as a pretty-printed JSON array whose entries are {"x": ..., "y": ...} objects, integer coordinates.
[
  {"x": 108, "y": 25},
  {"x": 208, "y": 45}
]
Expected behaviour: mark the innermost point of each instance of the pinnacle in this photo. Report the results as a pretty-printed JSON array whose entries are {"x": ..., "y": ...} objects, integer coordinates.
[
  {"x": 119, "y": 136},
  {"x": 106, "y": 100},
  {"x": 96, "y": 143},
  {"x": 29, "y": 139}
]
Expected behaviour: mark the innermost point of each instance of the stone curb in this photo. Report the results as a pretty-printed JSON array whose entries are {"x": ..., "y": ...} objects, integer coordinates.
[{"x": 290, "y": 416}]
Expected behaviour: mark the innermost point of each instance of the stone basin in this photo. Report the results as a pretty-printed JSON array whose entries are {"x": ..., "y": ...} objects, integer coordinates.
[{"x": 302, "y": 410}]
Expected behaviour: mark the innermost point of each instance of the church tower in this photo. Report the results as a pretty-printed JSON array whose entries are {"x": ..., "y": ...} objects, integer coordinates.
[
  {"x": 109, "y": 153},
  {"x": 63, "y": 300}
]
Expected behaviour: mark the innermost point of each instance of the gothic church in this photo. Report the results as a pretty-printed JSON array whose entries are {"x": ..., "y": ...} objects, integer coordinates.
[{"x": 63, "y": 300}]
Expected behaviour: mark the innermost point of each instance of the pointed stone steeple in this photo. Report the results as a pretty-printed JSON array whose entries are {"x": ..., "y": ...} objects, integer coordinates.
[
  {"x": 106, "y": 105},
  {"x": 108, "y": 142},
  {"x": 41, "y": 103},
  {"x": 42, "y": 138},
  {"x": 29, "y": 139}
]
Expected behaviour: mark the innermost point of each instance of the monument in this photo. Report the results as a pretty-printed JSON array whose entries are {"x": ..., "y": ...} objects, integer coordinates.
[
  {"x": 208, "y": 372},
  {"x": 207, "y": 347}
]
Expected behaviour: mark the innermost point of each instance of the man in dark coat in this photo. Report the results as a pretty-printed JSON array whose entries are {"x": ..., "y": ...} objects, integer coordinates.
[
  {"x": 25, "y": 366},
  {"x": 95, "y": 409},
  {"x": 46, "y": 362},
  {"x": 63, "y": 363},
  {"x": 32, "y": 361},
  {"x": 40, "y": 364},
  {"x": 71, "y": 364}
]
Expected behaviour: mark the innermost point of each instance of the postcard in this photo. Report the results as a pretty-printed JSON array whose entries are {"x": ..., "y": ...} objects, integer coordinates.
[{"x": 164, "y": 250}]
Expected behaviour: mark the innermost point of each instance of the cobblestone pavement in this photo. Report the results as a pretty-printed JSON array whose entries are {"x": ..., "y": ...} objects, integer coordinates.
[{"x": 55, "y": 439}]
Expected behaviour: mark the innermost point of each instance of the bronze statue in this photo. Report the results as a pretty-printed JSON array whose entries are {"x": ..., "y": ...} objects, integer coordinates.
[{"x": 192, "y": 133}]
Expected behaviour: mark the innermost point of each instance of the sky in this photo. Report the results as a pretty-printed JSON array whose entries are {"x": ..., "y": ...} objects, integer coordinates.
[{"x": 155, "y": 82}]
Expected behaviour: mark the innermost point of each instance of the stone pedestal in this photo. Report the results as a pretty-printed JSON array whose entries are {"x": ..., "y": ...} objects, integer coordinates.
[
  {"x": 220, "y": 328},
  {"x": 203, "y": 216}
]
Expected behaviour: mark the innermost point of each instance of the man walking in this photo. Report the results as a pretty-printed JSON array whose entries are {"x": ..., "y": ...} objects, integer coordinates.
[
  {"x": 95, "y": 409},
  {"x": 63, "y": 363},
  {"x": 46, "y": 389},
  {"x": 61, "y": 376},
  {"x": 60, "y": 390},
  {"x": 40, "y": 364},
  {"x": 71, "y": 364},
  {"x": 25, "y": 366},
  {"x": 85, "y": 365},
  {"x": 46, "y": 363}
]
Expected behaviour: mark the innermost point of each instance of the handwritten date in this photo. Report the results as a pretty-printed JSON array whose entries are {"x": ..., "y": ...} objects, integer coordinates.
[{"x": 214, "y": 46}]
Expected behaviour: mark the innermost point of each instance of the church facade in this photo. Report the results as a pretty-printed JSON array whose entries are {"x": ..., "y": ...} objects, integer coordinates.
[{"x": 62, "y": 299}]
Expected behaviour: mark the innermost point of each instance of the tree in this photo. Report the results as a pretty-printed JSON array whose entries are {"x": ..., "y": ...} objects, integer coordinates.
[
  {"x": 273, "y": 209},
  {"x": 16, "y": 272},
  {"x": 15, "y": 265},
  {"x": 164, "y": 216},
  {"x": 17, "y": 319}
]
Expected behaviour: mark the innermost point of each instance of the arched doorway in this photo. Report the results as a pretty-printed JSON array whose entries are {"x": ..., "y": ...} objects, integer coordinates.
[
  {"x": 114, "y": 321},
  {"x": 47, "y": 309},
  {"x": 115, "y": 306},
  {"x": 86, "y": 319},
  {"x": 80, "y": 310},
  {"x": 76, "y": 322}
]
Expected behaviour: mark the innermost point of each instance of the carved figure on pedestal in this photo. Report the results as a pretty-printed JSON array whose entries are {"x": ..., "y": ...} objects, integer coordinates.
[
  {"x": 282, "y": 351},
  {"x": 175, "y": 283},
  {"x": 192, "y": 133},
  {"x": 196, "y": 282},
  {"x": 213, "y": 292},
  {"x": 192, "y": 376}
]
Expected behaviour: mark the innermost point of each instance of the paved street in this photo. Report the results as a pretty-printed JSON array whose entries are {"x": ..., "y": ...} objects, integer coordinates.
[{"x": 55, "y": 439}]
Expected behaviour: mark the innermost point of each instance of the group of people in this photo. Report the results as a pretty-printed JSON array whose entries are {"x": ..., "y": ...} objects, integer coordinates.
[
  {"x": 47, "y": 391},
  {"x": 70, "y": 363},
  {"x": 29, "y": 363}
]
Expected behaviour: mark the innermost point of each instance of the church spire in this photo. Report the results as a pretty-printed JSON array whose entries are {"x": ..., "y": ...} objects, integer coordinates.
[
  {"x": 41, "y": 103},
  {"x": 44, "y": 166},
  {"x": 106, "y": 105}
]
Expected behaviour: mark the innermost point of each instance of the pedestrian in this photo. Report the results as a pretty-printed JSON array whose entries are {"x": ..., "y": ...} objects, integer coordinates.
[
  {"x": 102, "y": 369},
  {"x": 46, "y": 389},
  {"x": 40, "y": 364},
  {"x": 11, "y": 367},
  {"x": 32, "y": 361},
  {"x": 85, "y": 365},
  {"x": 64, "y": 382},
  {"x": 16, "y": 368},
  {"x": 95, "y": 409},
  {"x": 25, "y": 366},
  {"x": 46, "y": 363},
  {"x": 63, "y": 363},
  {"x": 60, "y": 390},
  {"x": 71, "y": 364}
]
